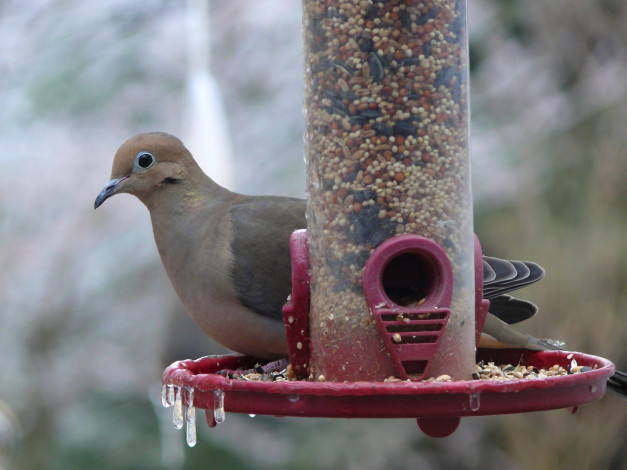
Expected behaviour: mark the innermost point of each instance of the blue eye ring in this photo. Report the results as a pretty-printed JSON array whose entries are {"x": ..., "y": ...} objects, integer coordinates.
[{"x": 143, "y": 161}]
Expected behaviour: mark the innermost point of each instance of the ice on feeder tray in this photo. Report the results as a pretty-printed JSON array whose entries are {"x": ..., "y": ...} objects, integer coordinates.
[
  {"x": 474, "y": 401},
  {"x": 177, "y": 413},
  {"x": 218, "y": 406},
  {"x": 167, "y": 395},
  {"x": 190, "y": 419},
  {"x": 171, "y": 395}
]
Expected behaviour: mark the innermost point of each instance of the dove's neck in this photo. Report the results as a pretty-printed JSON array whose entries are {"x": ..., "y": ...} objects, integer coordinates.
[{"x": 190, "y": 223}]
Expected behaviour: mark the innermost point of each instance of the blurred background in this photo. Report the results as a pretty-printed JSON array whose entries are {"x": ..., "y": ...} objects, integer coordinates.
[{"x": 88, "y": 319}]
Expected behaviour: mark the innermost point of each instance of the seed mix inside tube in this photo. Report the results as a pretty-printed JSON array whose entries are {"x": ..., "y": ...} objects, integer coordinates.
[{"x": 387, "y": 153}]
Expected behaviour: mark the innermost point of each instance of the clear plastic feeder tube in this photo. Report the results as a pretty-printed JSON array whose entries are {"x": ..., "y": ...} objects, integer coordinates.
[{"x": 387, "y": 124}]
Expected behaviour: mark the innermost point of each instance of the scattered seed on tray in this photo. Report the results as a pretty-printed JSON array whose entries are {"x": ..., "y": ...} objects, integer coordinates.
[
  {"x": 483, "y": 371},
  {"x": 491, "y": 371},
  {"x": 279, "y": 376}
]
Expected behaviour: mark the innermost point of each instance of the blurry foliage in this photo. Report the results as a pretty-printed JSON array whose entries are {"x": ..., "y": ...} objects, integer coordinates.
[
  {"x": 571, "y": 216},
  {"x": 549, "y": 100}
]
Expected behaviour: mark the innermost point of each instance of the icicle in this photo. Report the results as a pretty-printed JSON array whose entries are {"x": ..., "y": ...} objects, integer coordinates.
[
  {"x": 190, "y": 396},
  {"x": 164, "y": 396},
  {"x": 190, "y": 419},
  {"x": 170, "y": 394},
  {"x": 177, "y": 415},
  {"x": 218, "y": 406}
]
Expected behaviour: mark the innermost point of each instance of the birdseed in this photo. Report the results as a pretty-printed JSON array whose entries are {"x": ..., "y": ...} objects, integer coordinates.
[
  {"x": 482, "y": 371},
  {"x": 491, "y": 371}
]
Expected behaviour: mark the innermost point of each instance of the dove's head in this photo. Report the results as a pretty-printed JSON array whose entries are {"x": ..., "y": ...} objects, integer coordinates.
[{"x": 146, "y": 164}]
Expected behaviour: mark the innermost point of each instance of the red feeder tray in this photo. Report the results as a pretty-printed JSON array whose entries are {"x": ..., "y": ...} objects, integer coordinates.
[{"x": 437, "y": 406}]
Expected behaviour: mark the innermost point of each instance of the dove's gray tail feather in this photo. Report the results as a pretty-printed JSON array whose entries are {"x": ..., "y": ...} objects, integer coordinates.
[
  {"x": 617, "y": 384},
  {"x": 502, "y": 276}
]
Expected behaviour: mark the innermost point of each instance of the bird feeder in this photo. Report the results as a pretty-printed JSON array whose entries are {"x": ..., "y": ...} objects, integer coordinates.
[
  {"x": 387, "y": 279},
  {"x": 387, "y": 152}
]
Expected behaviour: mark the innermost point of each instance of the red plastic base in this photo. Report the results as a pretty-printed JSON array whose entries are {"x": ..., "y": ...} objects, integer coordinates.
[
  {"x": 438, "y": 405},
  {"x": 439, "y": 286}
]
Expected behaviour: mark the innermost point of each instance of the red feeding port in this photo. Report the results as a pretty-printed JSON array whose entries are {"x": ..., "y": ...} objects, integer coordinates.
[
  {"x": 437, "y": 406},
  {"x": 408, "y": 284}
]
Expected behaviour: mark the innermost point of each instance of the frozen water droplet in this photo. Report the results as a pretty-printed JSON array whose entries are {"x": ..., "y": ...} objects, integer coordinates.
[
  {"x": 164, "y": 396},
  {"x": 190, "y": 419},
  {"x": 252, "y": 415},
  {"x": 475, "y": 401},
  {"x": 218, "y": 406},
  {"x": 555, "y": 343},
  {"x": 177, "y": 414},
  {"x": 293, "y": 398},
  {"x": 170, "y": 394}
]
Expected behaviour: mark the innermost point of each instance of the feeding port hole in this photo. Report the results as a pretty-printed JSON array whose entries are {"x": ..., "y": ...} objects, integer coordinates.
[{"x": 409, "y": 278}]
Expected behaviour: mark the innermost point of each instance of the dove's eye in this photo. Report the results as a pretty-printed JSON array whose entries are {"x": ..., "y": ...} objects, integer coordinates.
[{"x": 144, "y": 160}]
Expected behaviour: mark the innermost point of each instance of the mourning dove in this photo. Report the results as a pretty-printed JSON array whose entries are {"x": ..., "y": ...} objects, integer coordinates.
[{"x": 227, "y": 254}]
